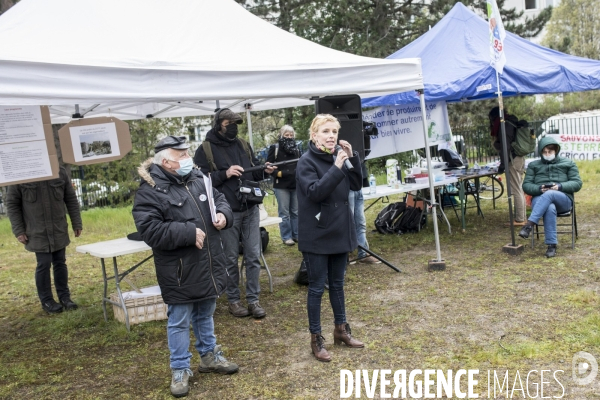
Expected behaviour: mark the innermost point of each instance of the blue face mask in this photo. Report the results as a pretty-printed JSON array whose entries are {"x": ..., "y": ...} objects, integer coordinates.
[{"x": 185, "y": 166}]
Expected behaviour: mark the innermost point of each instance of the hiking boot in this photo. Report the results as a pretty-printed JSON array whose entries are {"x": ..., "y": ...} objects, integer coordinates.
[
  {"x": 317, "y": 345},
  {"x": 289, "y": 242},
  {"x": 369, "y": 260},
  {"x": 551, "y": 252},
  {"x": 343, "y": 334},
  {"x": 256, "y": 310},
  {"x": 68, "y": 304},
  {"x": 238, "y": 310},
  {"x": 180, "y": 382},
  {"x": 214, "y": 361},
  {"x": 52, "y": 307},
  {"x": 526, "y": 231}
]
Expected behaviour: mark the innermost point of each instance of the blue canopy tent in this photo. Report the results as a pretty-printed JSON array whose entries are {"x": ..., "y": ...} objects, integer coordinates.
[{"x": 455, "y": 55}]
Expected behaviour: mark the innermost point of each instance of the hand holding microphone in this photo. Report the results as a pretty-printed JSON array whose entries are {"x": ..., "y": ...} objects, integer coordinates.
[{"x": 343, "y": 154}]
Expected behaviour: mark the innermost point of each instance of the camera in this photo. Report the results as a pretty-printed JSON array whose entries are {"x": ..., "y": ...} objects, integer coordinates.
[{"x": 369, "y": 129}]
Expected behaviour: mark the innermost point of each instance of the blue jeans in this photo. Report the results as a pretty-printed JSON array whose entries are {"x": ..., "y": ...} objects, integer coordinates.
[
  {"x": 45, "y": 261},
  {"x": 287, "y": 206},
  {"x": 200, "y": 314},
  {"x": 357, "y": 205},
  {"x": 546, "y": 206},
  {"x": 245, "y": 227},
  {"x": 320, "y": 267}
]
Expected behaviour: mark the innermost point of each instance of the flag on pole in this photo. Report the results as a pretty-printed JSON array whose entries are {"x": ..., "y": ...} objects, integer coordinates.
[{"x": 497, "y": 35}]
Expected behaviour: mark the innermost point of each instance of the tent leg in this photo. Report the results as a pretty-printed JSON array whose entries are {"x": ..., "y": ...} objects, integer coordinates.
[{"x": 438, "y": 263}]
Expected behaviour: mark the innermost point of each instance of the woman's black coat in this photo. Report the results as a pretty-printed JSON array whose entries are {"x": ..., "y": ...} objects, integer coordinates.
[{"x": 325, "y": 221}]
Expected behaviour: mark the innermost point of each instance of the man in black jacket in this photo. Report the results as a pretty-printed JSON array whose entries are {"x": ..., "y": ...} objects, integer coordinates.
[
  {"x": 226, "y": 162},
  {"x": 172, "y": 212}
]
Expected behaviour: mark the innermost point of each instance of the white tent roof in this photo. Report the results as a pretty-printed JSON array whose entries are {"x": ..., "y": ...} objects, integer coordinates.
[{"x": 131, "y": 58}]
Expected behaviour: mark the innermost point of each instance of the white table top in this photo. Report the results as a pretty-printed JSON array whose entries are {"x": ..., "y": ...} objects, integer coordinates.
[
  {"x": 385, "y": 190},
  {"x": 123, "y": 246}
]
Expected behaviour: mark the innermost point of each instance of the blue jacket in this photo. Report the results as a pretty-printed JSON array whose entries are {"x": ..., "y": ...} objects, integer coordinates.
[{"x": 322, "y": 190}]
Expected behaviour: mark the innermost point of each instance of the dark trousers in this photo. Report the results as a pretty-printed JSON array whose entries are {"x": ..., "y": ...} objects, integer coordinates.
[
  {"x": 319, "y": 268},
  {"x": 45, "y": 261}
]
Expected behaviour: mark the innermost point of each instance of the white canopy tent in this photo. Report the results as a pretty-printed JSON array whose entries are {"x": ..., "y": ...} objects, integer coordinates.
[{"x": 134, "y": 58}]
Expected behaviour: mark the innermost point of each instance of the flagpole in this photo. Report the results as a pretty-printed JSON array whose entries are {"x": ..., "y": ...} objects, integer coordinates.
[{"x": 505, "y": 160}]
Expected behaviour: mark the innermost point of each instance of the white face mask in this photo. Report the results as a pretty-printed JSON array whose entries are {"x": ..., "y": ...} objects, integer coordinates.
[{"x": 549, "y": 157}]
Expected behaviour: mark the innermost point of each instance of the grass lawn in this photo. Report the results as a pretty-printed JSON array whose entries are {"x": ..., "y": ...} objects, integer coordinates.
[{"x": 488, "y": 311}]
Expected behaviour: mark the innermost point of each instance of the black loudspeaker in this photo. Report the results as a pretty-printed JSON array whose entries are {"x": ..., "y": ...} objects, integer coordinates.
[{"x": 347, "y": 109}]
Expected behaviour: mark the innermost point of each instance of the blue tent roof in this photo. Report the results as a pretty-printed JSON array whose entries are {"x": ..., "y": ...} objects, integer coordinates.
[{"x": 456, "y": 64}]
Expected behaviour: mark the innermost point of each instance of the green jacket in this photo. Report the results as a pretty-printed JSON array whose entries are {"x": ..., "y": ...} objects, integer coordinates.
[
  {"x": 37, "y": 209},
  {"x": 560, "y": 170}
]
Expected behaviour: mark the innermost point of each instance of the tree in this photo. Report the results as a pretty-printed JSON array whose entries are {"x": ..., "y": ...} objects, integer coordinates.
[{"x": 575, "y": 29}]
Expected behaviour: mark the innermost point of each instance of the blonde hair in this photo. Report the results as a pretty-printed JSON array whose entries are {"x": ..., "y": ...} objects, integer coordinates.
[
  {"x": 319, "y": 120},
  {"x": 286, "y": 128}
]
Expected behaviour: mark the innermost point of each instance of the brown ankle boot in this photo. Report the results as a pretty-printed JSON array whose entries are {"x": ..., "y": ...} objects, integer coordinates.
[
  {"x": 317, "y": 344},
  {"x": 342, "y": 333}
]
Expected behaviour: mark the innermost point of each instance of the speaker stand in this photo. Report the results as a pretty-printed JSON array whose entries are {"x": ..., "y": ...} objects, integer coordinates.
[{"x": 377, "y": 257}]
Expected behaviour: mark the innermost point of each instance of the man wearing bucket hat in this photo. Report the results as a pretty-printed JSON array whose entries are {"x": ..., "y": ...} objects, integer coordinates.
[
  {"x": 225, "y": 156},
  {"x": 173, "y": 216}
]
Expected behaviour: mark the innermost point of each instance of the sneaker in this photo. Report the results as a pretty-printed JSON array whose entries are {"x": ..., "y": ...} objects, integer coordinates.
[
  {"x": 180, "y": 382},
  {"x": 551, "y": 252},
  {"x": 68, "y": 304},
  {"x": 526, "y": 231},
  {"x": 289, "y": 242},
  {"x": 214, "y": 361},
  {"x": 238, "y": 310},
  {"x": 256, "y": 310},
  {"x": 369, "y": 260},
  {"x": 52, "y": 307}
]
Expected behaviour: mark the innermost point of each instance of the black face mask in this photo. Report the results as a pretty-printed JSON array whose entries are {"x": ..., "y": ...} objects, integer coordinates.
[
  {"x": 288, "y": 145},
  {"x": 231, "y": 131}
]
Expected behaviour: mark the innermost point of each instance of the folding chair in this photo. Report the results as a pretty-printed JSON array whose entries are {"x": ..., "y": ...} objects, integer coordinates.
[{"x": 572, "y": 225}]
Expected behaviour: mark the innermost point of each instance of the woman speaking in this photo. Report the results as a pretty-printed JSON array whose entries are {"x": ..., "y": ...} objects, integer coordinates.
[{"x": 326, "y": 234}]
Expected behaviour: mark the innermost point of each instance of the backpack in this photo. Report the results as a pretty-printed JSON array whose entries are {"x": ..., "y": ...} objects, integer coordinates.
[
  {"x": 211, "y": 159},
  {"x": 451, "y": 157},
  {"x": 389, "y": 217},
  {"x": 411, "y": 220},
  {"x": 400, "y": 218},
  {"x": 524, "y": 141}
]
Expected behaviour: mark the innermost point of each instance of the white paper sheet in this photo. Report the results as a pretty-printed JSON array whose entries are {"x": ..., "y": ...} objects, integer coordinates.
[
  {"x": 22, "y": 161},
  {"x": 210, "y": 198},
  {"x": 92, "y": 142},
  {"x": 20, "y": 124}
]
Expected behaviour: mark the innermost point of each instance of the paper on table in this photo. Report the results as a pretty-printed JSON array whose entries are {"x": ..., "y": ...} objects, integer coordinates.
[{"x": 210, "y": 198}]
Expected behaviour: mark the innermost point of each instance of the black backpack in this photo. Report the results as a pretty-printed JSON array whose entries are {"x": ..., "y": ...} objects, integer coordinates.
[
  {"x": 451, "y": 157},
  {"x": 388, "y": 218},
  {"x": 399, "y": 218},
  {"x": 411, "y": 220}
]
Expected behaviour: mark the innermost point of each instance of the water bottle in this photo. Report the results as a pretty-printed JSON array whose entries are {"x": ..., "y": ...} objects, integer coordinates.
[
  {"x": 372, "y": 184},
  {"x": 476, "y": 166}
]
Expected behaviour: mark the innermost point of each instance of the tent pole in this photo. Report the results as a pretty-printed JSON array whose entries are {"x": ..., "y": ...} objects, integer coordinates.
[
  {"x": 438, "y": 263},
  {"x": 249, "y": 119},
  {"x": 511, "y": 248}
]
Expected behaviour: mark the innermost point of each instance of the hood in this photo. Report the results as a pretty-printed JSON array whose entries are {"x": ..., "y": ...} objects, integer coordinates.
[
  {"x": 217, "y": 139},
  {"x": 545, "y": 141},
  {"x": 153, "y": 175}
]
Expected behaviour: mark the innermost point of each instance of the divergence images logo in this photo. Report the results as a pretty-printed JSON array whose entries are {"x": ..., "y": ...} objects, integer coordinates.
[{"x": 585, "y": 368}]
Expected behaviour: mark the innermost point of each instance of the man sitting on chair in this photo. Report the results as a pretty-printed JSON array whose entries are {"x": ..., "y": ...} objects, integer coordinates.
[{"x": 551, "y": 181}]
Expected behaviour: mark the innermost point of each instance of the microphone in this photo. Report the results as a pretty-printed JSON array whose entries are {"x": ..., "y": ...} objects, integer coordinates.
[{"x": 347, "y": 162}]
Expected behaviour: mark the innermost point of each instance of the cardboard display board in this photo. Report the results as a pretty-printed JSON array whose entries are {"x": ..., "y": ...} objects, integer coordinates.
[
  {"x": 27, "y": 151},
  {"x": 94, "y": 140}
]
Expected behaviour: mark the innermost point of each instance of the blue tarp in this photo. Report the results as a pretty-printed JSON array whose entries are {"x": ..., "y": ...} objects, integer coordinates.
[{"x": 455, "y": 56}]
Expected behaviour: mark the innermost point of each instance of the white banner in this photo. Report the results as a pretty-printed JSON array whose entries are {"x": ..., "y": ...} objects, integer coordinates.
[
  {"x": 401, "y": 127},
  {"x": 578, "y": 147},
  {"x": 497, "y": 35}
]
